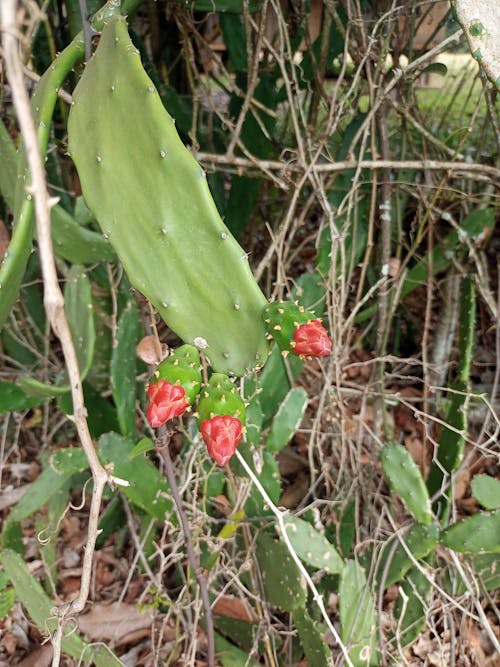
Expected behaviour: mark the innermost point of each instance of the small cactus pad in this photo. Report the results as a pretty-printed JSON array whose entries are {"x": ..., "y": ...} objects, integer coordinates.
[
  {"x": 221, "y": 397},
  {"x": 406, "y": 480},
  {"x": 282, "y": 319},
  {"x": 152, "y": 201},
  {"x": 182, "y": 367},
  {"x": 477, "y": 534}
]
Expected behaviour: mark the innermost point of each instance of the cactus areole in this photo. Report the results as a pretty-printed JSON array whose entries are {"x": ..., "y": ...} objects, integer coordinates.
[{"x": 152, "y": 201}]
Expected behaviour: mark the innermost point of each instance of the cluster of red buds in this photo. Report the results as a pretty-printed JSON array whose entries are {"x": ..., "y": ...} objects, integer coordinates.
[{"x": 221, "y": 410}]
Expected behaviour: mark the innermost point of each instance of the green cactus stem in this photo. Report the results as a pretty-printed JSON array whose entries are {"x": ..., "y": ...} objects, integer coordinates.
[
  {"x": 152, "y": 201},
  {"x": 406, "y": 480},
  {"x": 479, "y": 533},
  {"x": 182, "y": 368}
]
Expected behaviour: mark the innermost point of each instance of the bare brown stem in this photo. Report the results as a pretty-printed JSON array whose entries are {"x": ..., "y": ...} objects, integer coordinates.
[
  {"x": 53, "y": 299},
  {"x": 162, "y": 445}
]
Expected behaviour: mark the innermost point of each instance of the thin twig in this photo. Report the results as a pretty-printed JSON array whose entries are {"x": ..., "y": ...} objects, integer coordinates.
[
  {"x": 162, "y": 446},
  {"x": 53, "y": 301},
  {"x": 280, "y": 516},
  {"x": 469, "y": 168}
]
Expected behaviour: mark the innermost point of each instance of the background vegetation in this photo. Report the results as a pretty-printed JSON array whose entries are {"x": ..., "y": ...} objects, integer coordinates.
[{"x": 352, "y": 148}]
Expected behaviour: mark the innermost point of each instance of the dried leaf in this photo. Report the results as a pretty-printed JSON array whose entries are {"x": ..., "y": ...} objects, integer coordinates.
[{"x": 115, "y": 622}]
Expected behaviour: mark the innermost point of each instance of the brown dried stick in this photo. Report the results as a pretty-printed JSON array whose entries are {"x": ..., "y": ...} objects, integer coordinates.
[{"x": 53, "y": 298}]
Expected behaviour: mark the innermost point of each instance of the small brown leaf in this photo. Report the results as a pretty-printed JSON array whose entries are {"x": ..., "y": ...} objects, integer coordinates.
[
  {"x": 115, "y": 622},
  {"x": 233, "y": 607},
  {"x": 151, "y": 351}
]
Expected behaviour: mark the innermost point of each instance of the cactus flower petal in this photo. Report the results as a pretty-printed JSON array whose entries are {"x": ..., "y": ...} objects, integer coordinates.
[
  {"x": 166, "y": 401},
  {"x": 221, "y": 435},
  {"x": 312, "y": 340}
]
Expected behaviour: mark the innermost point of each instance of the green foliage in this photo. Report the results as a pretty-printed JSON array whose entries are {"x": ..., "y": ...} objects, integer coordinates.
[
  {"x": 287, "y": 419},
  {"x": 406, "y": 480},
  {"x": 281, "y": 577},
  {"x": 410, "y": 610},
  {"x": 148, "y": 488},
  {"x": 475, "y": 534},
  {"x": 312, "y": 547},
  {"x": 486, "y": 490},
  {"x": 317, "y": 652},
  {"x": 452, "y": 438},
  {"x": 357, "y": 615},
  {"x": 40, "y": 607},
  {"x": 123, "y": 368}
]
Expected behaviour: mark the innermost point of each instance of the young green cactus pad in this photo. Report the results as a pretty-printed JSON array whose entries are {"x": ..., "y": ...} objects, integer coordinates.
[
  {"x": 479, "y": 533},
  {"x": 406, "y": 480},
  {"x": 152, "y": 201},
  {"x": 182, "y": 368}
]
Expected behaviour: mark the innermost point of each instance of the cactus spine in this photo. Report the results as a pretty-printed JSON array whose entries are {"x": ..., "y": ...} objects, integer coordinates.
[{"x": 152, "y": 200}]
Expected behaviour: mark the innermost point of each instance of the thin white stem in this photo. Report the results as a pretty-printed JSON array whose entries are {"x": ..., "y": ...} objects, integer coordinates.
[{"x": 280, "y": 516}]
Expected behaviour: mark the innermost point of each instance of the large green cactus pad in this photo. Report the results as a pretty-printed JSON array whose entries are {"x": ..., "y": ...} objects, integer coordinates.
[{"x": 152, "y": 201}]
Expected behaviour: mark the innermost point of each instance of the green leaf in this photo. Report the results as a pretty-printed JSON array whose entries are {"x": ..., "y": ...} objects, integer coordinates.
[
  {"x": 123, "y": 368},
  {"x": 144, "y": 445},
  {"x": 101, "y": 417},
  {"x": 148, "y": 488},
  {"x": 436, "y": 68},
  {"x": 80, "y": 314},
  {"x": 420, "y": 541},
  {"x": 312, "y": 547},
  {"x": 479, "y": 533},
  {"x": 287, "y": 419},
  {"x": 230, "y": 6},
  {"x": 40, "y": 608},
  {"x": 231, "y": 656},
  {"x": 358, "y": 621},
  {"x": 347, "y": 527},
  {"x": 281, "y": 577},
  {"x": 13, "y": 398},
  {"x": 62, "y": 465},
  {"x": 486, "y": 490},
  {"x": 317, "y": 652},
  {"x": 406, "y": 480},
  {"x": 7, "y": 599},
  {"x": 275, "y": 381}
]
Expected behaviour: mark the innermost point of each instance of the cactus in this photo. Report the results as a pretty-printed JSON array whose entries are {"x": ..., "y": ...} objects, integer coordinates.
[
  {"x": 410, "y": 608},
  {"x": 406, "y": 480},
  {"x": 296, "y": 329},
  {"x": 420, "y": 540},
  {"x": 358, "y": 623},
  {"x": 152, "y": 200},
  {"x": 221, "y": 397},
  {"x": 312, "y": 547},
  {"x": 283, "y": 583},
  {"x": 486, "y": 490},
  {"x": 479, "y": 533},
  {"x": 452, "y": 440},
  {"x": 182, "y": 368}
]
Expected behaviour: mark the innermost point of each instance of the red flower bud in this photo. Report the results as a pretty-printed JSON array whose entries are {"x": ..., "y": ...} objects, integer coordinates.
[
  {"x": 166, "y": 400},
  {"x": 221, "y": 435},
  {"x": 312, "y": 340}
]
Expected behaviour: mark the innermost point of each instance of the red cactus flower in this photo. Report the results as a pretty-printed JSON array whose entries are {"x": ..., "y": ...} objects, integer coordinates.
[
  {"x": 221, "y": 435},
  {"x": 312, "y": 340},
  {"x": 166, "y": 401}
]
